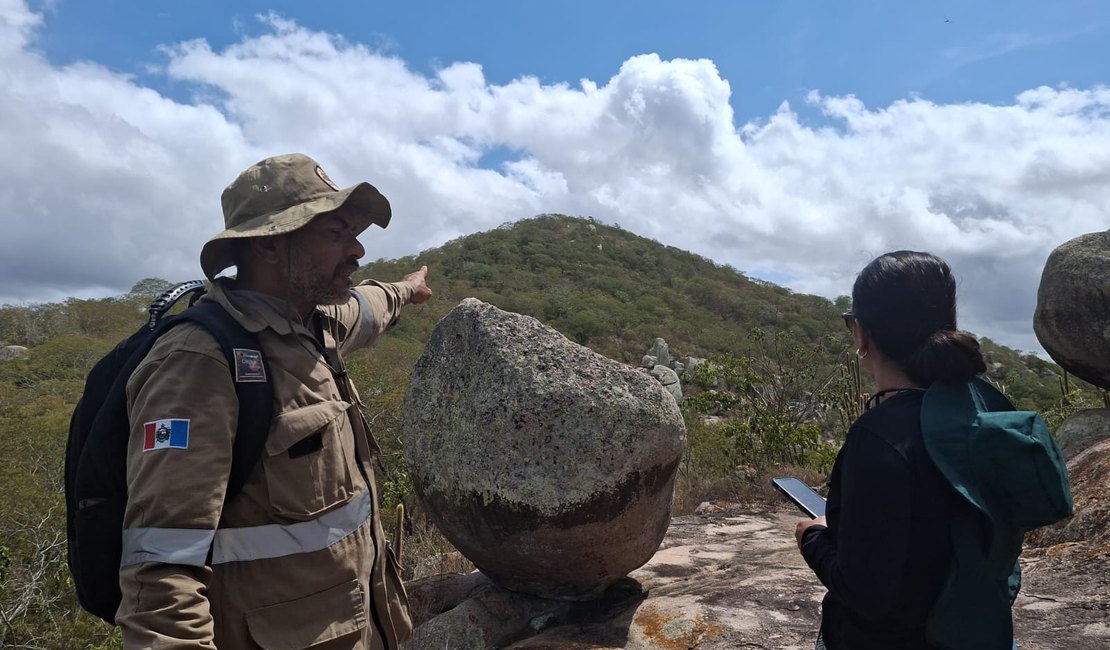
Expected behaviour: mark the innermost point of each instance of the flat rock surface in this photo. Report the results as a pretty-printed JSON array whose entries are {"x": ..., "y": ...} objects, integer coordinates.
[{"x": 732, "y": 578}]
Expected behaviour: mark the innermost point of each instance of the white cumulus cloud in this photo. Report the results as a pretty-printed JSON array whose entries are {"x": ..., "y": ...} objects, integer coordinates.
[{"x": 108, "y": 181}]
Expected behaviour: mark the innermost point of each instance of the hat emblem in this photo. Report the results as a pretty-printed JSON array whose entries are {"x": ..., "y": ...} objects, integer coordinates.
[{"x": 324, "y": 177}]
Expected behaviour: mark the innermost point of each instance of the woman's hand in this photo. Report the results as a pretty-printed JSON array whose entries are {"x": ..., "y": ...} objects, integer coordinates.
[{"x": 803, "y": 524}]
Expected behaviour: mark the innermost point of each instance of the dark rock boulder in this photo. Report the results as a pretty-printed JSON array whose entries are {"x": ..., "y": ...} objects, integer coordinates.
[
  {"x": 547, "y": 465},
  {"x": 1072, "y": 320},
  {"x": 1082, "y": 430}
]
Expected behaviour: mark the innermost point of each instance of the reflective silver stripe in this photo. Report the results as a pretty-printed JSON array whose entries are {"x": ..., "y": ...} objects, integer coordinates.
[
  {"x": 167, "y": 545},
  {"x": 277, "y": 540},
  {"x": 367, "y": 312}
]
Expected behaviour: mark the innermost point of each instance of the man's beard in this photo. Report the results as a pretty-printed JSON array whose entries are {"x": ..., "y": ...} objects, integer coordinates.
[{"x": 319, "y": 288}]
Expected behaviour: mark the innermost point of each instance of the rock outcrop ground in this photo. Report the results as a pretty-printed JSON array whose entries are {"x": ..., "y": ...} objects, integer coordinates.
[{"x": 731, "y": 577}]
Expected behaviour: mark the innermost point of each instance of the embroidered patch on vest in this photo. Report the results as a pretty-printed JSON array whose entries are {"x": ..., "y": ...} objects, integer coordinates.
[
  {"x": 248, "y": 365},
  {"x": 166, "y": 434}
]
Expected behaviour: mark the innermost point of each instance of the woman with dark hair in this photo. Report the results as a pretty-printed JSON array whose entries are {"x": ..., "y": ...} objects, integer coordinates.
[{"x": 884, "y": 548}]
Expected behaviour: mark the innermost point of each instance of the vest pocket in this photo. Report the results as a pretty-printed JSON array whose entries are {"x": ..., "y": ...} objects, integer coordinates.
[
  {"x": 310, "y": 622},
  {"x": 308, "y": 458}
]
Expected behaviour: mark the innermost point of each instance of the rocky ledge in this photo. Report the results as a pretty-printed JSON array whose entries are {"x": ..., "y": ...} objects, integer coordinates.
[{"x": 731, "y": 577}]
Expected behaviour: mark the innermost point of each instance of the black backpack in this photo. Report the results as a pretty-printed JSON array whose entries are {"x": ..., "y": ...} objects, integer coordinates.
[{"x": 96, "y": 453}]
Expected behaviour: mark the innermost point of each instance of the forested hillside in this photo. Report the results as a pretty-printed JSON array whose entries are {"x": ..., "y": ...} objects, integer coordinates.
[
  {"x": 782, "y": 373},
  {"x": 612, "y": 290},
  {"x": 616, "y": 292}
]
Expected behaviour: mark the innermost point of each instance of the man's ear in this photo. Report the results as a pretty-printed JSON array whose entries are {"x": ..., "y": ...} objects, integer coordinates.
[{"x": 268, "y": 250}]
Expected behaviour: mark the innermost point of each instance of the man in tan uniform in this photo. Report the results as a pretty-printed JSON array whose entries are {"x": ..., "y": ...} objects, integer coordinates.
[{"x": 298, "y": 558}]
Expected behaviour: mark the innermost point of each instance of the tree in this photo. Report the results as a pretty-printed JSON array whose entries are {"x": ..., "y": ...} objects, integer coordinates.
[
  {"x": 776, "y": 400},
  {"x": 147, "y": 289}
]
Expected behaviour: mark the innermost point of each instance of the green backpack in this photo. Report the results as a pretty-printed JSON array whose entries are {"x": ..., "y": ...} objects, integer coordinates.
[{"x": 1013, "y": 479}]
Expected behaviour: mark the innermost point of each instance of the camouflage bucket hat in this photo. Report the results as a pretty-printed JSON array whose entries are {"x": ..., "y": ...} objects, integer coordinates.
[{"x": 280, "y": 195}]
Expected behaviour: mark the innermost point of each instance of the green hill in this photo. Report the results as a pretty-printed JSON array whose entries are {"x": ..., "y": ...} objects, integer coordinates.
[{"x": 612, "y": 290}]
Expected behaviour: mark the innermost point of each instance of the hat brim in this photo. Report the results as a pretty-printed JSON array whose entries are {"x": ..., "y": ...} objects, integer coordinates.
[{"x": 363, "y": 202}]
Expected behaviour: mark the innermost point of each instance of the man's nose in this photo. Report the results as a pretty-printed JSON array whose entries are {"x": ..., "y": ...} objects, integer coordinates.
[{"x": 357, "y": 249}]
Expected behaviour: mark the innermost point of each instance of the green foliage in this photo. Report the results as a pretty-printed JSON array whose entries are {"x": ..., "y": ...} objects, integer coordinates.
[
  {"x": 1074, "y": 396},
  {"x": 396, "y": 486},
  {"x": 772, "y": 402},
  {"x": 37, "y": 395},
  {"x": 146, "y": 290},
  {"x": 710, "y": 451},
  {"x": 37, "y": 601}
]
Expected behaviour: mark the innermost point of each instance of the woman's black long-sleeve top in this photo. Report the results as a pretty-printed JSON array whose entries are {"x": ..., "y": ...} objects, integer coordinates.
[{"x": 886, "y": 551}]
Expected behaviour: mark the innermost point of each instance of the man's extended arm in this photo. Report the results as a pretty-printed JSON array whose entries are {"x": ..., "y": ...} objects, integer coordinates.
[{"x": 377, "y": 307}]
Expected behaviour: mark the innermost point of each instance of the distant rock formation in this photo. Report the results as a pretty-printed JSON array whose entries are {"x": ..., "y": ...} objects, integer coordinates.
[
  {"x": 669, "y": 379},
  {"x": 1072, "y": 320},
  {"x": 662, "y": 353},
  {"x": 689, "y": 367},
  {"x": 667, "y": 370},
  {"x": 9, "y": 352},
  {"x": 547, "y": 465}
]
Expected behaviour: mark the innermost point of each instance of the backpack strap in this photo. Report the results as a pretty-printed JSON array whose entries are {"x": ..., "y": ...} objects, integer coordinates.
[{"x": 253, "y": 389}]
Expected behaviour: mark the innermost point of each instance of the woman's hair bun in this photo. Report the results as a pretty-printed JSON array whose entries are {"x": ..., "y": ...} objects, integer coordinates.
[{"x": 947, "y": 355}]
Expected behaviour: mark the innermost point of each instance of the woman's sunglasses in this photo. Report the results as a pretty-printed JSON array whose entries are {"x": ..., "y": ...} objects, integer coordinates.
[{"x": 849, "y": 319}]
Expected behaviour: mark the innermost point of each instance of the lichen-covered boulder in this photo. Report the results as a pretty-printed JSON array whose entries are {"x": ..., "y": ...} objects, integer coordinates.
[
  {"x": 547, "y": 465},
  {"x": 1081, "y": 430},
  {"x": 1072, "y": 320}
]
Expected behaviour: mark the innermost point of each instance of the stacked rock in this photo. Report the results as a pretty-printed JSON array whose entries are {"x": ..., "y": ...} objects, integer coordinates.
[
  {"x": 667, "y": 370},
  {"x": 547, "y": 465}
]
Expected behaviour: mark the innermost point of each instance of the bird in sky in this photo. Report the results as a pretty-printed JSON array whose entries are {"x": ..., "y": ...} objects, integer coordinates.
[{"x": 947, "y": 20}]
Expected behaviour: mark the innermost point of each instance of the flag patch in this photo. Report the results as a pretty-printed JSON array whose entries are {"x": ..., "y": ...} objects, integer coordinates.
[{"x": 166, "y": 434}]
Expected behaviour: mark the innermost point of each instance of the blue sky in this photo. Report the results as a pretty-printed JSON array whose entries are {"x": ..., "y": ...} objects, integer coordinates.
[
  {"x": 792, "y": 140},
  {"x": 771, "y": 52}
]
